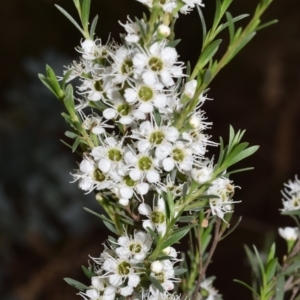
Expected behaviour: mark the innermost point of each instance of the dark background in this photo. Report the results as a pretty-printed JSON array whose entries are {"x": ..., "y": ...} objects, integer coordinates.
[{"x": 45, "y": 235}]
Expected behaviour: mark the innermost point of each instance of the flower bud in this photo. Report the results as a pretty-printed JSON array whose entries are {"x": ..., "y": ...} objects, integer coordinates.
[
  {"x": 190, "y": 88},
  {"x": 289, "y": 233},
  {"x": 164, "y": 30},
  {"x": 156, "y": 266}
]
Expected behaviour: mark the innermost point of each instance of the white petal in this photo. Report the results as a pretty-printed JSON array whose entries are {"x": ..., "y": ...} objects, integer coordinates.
[
  {"x": 162, "y": 151},
  {"x": 169, "y": 55},
  {"x": 132, "y": 38},
  {"x": 130, "y": 95},
  {"x": 109, "y": 113},
  {"x": 126, "y": 291},
  {"x": 86, "y": 184},
  {"x": 149, "y": 78},
  {"x": 135, "y": 175},
  {"x": 133, "y": 280},
  {"x": 124, "y": 201},
  {"x": 148, "y": 223},
  {"x": 153, "y": 176},
  {"x": 126, "y": 192},
  {"x": 145, "y": 209},
  {"x": 142, "y": 188},
  {"x": 130, "y": 157},
  {"x": 176, "y": 71},
  {"x": 98, "y": 130},
  {"x": 92, "y": 294},
  {"x": 104, "y": 165},
  {"x": 143, "y": 146},
  {"x": 160, "y": 101},
  {"x": 172, "y": 134},
  {"x": 168, "y": 164},
  {"x": 154, "y": 48},
  {"x": 98, "y": 283},
  {"x": 166, "y": 78},
  {"x": 140, "y": 60},
  {"x": 95, "y": 96},
  {"x": 115, "y": 280},
  {"x": 126, "y": 120},
  {"x": 146, "y": 107},
  {"x": 87, "y": 167}
]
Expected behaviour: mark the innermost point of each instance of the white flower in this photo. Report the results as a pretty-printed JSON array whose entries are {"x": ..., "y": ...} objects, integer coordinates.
[
  {"x": 146, "y": 97},
  {"x": 164, "y": 273},
  {"x": 208, "y": 292},
  {"x": 289, "y": 233},
  {"x": 124, "y": 112},
  {"x": 135, "y": 248},
  {"x": 158, "y": 62},
  {"x": 94, "y": 124},
  {"x": 90, "y": 177},
  {"x": 180, "y": 156},
  {"x": 100, "y": 290},
  {"x": 167, "y": 5},
  {"x": 92, "y": 50},
  {"x": 223, "y": 190},
  {"x": 152, "y": 136},
  {"x": 169, "y": 185},
  {"x": 189, "y": 5},
  {"x": 109, "y": 156},
  {"x": 291, "y": 194},
  {"x": 133, "y": 30},
  {"x": 119, "y": 271},
  {"x": 203, "y": 174},
  {"x": 157, "y": 216},
  {"x": 122, "y": 66},
  {"x": 141, "y": 166}
]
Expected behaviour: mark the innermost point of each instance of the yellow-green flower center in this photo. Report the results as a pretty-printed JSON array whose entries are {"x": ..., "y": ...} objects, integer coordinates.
[
  {"x": 123, "y": 109},
  {"x": 160, "y": 277},
  {"x": 178, "y": 155},
  {"x": 98, "y": 85},
  {"x": 114, "y": 154},
  {"x": 156, "y": 64},
  {"x": 127, "y": 67},
  {"x": 156, "y": 137},
  {"x": 128, "y": 181},
  {"x": 145, "y": 163},
  {"x": 124, "y": 268},
  {"x": 145, "y": 93},
  {"x": 158, "y": 217},
  {"x": 135, "y": 248},
  {"x": 98, "y": 175}
]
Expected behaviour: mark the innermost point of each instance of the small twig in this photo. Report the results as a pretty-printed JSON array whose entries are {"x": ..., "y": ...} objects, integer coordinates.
[
  {"x": 202, "y": 271},
  {"x": 136, "y": 218},
  {"x": 295, "y": 291}
]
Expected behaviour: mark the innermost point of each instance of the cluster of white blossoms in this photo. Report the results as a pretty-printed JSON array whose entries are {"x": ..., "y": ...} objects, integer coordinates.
[
  {"x": 291, "y": 194},
  {"x": 121, "y": 266},
  {"x": 137, "y": 90},
  {"x": 169, "y": 6}
]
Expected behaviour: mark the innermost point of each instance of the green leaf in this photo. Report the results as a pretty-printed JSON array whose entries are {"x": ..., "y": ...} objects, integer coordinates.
[
  {"x": 186, "y": 219},
  {"x": 50, "y": 84},
  {"x": 267, "y": 24},
  {"x": 280, "y": 282},
  {"x": 76, "y": 284},
  {"x": 71, "y": 134},
  {"x": 204, "y": 30},
  {"x": 156, "y": 284},
  {"x": 87, "y": 272},
  {"x": 176, "y": 236},
  {"x": 93, "y": 27},
  {"x": 65, "y": 78},
  {"x": 174, "y": 43},
  {"x": 86, "y": 14},
  {"x": 70, "y": 18},
  {"x": 230, "y": 26},
  {"x": 76, "y": 144},
  {"x": 271, "y": 253},
  {"x": 102, "y": 217},
  {"x": 239, "y": 170},
  {"x": 232, "y": 228},
  {"x": 179, "y": 271},
  {"x": 110, "y": 227},
  {"x": 271, "y": 269},
  {"x": 247, "y": 286},
  {"x": 207, "y": 54}
]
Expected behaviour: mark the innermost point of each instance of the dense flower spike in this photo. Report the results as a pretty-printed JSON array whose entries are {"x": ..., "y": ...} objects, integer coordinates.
[{"x": 138, "y": 125}]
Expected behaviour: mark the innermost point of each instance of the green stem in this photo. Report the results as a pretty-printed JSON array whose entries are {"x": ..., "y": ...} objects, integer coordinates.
[{"x": 251, "y": 27}]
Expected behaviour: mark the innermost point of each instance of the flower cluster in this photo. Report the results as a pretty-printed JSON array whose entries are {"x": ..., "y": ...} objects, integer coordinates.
[
  {"x": 122, "y": 269},
  {"x": 135, "y": 89},
  {"x": 291, "y": 194}
]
